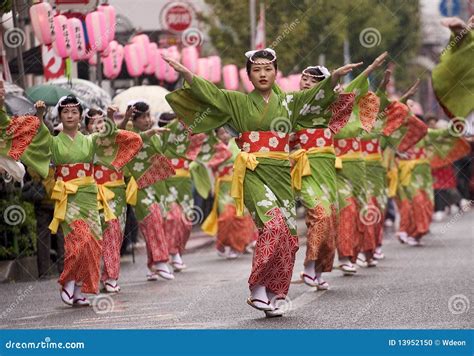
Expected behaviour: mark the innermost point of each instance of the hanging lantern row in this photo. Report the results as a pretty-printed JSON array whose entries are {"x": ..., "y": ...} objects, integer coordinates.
[{"x": 141, "y": 56}]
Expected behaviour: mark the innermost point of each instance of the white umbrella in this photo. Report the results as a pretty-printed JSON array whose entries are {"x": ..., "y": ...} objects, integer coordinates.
[
  {"x": 153, "y": 95},
  {"x": 91, "y": 94}
]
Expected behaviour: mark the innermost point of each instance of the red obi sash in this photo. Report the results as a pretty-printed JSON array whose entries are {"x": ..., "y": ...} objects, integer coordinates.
[
  {"x": 180, "y": 163},
  {"x": 263, "y": 141},
  {"x": 415, "y": 153},
  {"x": 104, "y": 175},
  {"x": 371, "y": 146},
  {"x": 345, "y": 146},
  {"x": 309, "y": 138},
  {"x": 67, "y": 172}
]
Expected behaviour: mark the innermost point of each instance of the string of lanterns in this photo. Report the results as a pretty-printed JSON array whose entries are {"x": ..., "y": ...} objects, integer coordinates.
[{"x": 69, "y": 37}]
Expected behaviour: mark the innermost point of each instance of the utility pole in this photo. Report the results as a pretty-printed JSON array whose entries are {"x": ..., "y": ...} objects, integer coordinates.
[
  {"x": 252, "y": 4},
  {"x": 19, "y": 48}
]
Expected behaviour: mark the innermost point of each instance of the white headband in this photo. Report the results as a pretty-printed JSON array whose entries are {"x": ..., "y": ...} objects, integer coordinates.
[
  {"x": 250, "y": 54},
  {"x": 322, "y": 69}
]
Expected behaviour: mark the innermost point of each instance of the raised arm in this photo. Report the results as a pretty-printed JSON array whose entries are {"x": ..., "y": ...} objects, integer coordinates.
[
  {"x": 410, "y": 92},
  {"x": 185, "y": 72}
]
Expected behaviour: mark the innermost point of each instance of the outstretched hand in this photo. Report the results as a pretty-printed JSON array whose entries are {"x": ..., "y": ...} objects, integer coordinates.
[
  {"x": 411, "y": 91},
  {"x": 385, "y": 80},
  {"x": 187, "y": 74},
  {"x": 457, "y": 25},
  {"x": 376, "y": 63},
  {"x": 342, "y": 71},
  {"x": 111, "y": 110},
  {"x": 40, "y": 107}
]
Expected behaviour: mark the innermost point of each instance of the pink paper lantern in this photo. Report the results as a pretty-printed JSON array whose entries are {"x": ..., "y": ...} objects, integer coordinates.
[
  {"x": 62, "y": 42},
  {"x": 113, "y": 62},
  {"x": 231, "y": 77},
  {"x": 284, "y": 84},
  {"x": 190, "y": 58},
  {"x": 78, "y": 42},
  {"x": 203, "y": 69},
  {"x": 143, "y": 45},
  {"x": 295, "y": 81},
  {"x": 215, "y": 69},
  {"x": 97, "y": 31},
  {"x": 132, "y": 60},
  {"x": 248, "y": 86},
  {"x": 151, "y": 67},
  {"x": 110, "y": 20},
  {"x": 160, "y": 68},
  {"x": 171, "y": 75},
  {"x": 279, "y": 75},
  {"x": 42, "y": 20}
]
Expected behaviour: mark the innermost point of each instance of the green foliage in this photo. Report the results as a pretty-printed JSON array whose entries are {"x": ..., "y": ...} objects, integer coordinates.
[
  {"x": 5, "y": 6},
  {"x": 17, "y": 239},
  {"x": 301, "y": 30}
]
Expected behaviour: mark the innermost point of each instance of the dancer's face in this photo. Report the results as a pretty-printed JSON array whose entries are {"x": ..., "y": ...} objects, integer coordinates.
[
  {"x": 70, "y": 118},
  {"x": 96, "y": 124},
  {"x": 262, "y": 75},
  {"x": 223, "y": 135},
  {"x": 307, "y": 82},
  {"x": 143, "y": 122}
]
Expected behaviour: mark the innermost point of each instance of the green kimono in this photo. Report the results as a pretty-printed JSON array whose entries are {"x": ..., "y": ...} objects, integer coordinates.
[{"x": 262, "y": 170}]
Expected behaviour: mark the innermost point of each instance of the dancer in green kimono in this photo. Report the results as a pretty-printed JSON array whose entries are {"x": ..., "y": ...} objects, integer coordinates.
[
  {"x": 75, "y": 191},
  {"x": 187, "y": 154},
  {"x": 314, "y": 165},
  {"x": 148, "y": 171},
  {"x": 262, "y": 179},
  {"x": 351, "y": 181}
]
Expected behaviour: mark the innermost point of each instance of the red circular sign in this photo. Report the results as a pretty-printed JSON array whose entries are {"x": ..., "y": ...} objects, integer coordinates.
[{"x": 177, "y": 17}]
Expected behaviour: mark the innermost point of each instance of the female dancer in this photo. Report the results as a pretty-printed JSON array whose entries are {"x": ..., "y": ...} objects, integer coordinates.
[
  {"x": 262, "y": 169},
  {"x": 149, "y": 168},
  {"x": 75, "y": 191}
]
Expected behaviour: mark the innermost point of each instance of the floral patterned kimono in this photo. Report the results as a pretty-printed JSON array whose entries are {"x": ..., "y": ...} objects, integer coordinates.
[
  {"x": 316, "y": 186},
  {"x": 182, "y": 149},
  {"x": 111, "y": 184},
  {"x": 261, "y": 179},
  {"x": 351, "y": 172},
  {"x": 148, "y": 170},
  {"x": 75, "y": 191},
  {"x": 415, "y": 184},
  {"x": 394, "y": 129},
  {"x": 231, "y": 230}
]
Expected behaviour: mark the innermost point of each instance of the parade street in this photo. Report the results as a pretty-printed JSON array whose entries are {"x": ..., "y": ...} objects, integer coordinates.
[{"x": 414, "y": 287}]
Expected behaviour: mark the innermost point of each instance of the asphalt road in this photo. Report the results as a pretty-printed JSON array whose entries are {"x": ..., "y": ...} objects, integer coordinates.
[{"x": 414, "y": 287}]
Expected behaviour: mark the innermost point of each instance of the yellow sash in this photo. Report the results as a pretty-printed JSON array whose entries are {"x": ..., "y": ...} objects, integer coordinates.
[
  {"x": 181, "y": 172},
  {"x": 373, "y": 157},
  {"x": 209, "y": 226},
  {"x": 131, "y": 192},
  {"x": 347, "y": 157},
  {"x": 406, "y": 168},
  {"x": 61, "y": 190},
  {"x": 392, "y": 176},
  {"x": 244, "y": 161},
  {"x": 104, "y": 195},
  {"x": 302, "y": 167}
]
